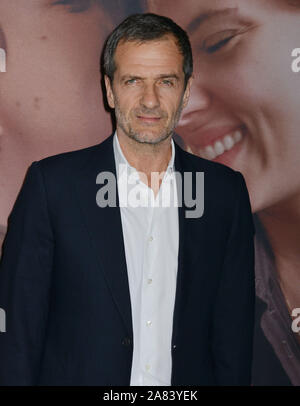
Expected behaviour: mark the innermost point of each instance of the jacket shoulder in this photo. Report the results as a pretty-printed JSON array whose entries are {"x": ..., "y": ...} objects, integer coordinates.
[{"x": 72, "y": 160}]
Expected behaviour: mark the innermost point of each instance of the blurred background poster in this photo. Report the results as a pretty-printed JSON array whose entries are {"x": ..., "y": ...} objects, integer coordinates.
[{"x": 243, "y": 113}]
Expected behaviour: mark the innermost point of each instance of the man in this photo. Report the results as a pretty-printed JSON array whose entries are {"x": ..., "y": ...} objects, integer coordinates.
[{"x": 123, "y": 295}]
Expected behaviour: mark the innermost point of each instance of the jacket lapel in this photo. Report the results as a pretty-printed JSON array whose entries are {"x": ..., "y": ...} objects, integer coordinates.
[
  {"x": 191, "y": 245},
  {"x": 181, "y": 249},
  {"x": 105, "y": 229}
]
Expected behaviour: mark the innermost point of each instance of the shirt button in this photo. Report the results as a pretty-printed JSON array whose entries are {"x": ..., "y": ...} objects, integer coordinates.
[
  {"x": 150, "y": 238},
  {"x": 149, "y": 322},
  {"x": 147, "y": 367},
  {"x": 149, "y": 281}
]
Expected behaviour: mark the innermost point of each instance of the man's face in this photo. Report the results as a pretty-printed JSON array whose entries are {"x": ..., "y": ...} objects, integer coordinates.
[
  {"x": 244, "y": 105},
  {"x": 148, "y": 92}
]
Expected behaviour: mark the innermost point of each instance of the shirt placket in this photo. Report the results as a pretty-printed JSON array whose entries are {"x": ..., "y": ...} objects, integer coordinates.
[{"x": 147, "y": 316}]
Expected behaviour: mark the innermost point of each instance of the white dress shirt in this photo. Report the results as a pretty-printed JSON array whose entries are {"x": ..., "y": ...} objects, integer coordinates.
[{"x": 151, "y": 239}]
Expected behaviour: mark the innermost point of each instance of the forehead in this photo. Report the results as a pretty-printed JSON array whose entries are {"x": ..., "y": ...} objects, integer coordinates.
[{"x": 155, "y": 55}]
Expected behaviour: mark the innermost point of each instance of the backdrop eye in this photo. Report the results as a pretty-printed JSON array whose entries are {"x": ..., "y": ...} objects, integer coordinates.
[
  {"x": 214, "y": 48},
  {"x": 217, "y": 41},
  {"x": 75, "y": 6}
]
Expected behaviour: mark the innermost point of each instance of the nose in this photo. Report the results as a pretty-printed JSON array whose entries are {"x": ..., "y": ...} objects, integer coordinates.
[
  {"x": 199, "y": 101},
  {"x": 150, "y": 97}
]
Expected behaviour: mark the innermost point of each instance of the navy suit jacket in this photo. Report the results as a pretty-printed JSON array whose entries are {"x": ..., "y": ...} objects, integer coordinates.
[{"x": 64, "y": 284}]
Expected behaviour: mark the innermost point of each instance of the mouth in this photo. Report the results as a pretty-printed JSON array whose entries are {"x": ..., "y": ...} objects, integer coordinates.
[
  {"x": 220, "y": 144},
  {"x": 148, "y": 120}
]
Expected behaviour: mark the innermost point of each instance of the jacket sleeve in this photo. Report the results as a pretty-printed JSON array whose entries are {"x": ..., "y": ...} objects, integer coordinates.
[
  {"x": 233, "y": 320},
  {"x": 25, "y": 275}
]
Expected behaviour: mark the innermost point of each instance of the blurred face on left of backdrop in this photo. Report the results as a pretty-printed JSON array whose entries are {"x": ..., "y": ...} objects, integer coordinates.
[{"x": 50, "y": 94}]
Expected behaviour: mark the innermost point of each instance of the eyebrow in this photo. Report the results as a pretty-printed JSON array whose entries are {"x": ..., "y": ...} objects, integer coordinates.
[
  {"x": 163, "y": 76},
  {"x": 209, "y": 15}
]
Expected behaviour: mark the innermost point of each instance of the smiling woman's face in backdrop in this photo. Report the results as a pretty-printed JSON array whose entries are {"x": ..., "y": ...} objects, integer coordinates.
[{"x": 244, "y": 104}]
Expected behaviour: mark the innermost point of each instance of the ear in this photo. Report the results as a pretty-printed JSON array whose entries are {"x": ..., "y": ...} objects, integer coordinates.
[
  {"x": 109, "y": 92},
  {"x": 187, "y": 92}
]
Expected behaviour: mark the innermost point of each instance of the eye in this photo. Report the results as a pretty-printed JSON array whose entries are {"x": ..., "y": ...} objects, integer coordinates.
[
  {"x": 130, "y": 81},
  {"x": 217, "y": 41},
  {"x": 167, "y": 82}
]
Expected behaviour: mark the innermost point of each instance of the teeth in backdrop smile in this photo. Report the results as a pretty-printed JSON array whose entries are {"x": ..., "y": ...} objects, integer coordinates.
[{"x": 218, "y": 147}]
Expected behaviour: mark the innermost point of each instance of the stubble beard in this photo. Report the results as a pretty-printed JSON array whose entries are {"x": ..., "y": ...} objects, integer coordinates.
[{"x": 124, "y": 123}]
